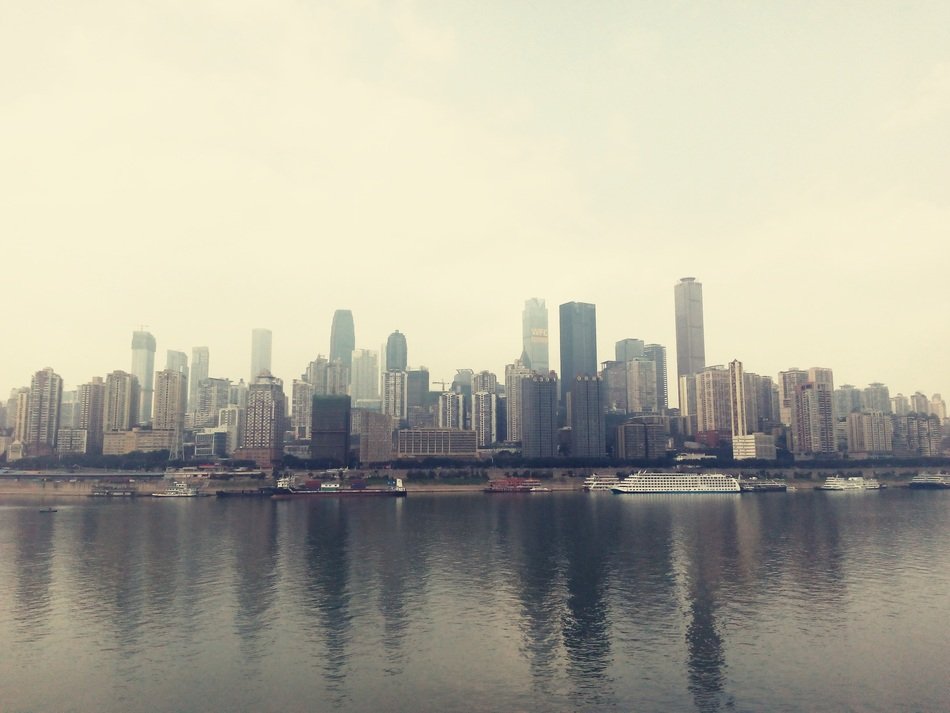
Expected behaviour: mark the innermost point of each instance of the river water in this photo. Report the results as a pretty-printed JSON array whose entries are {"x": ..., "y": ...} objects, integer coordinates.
[{"x": 470, "y": 602}]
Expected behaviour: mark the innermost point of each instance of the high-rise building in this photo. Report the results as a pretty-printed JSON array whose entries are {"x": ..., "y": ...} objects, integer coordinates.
[
  {"x": 484, "y": 381},
  {"x": 330, "y": 430},
  {"x": 737, "y": 400},
  {"x": 539, "y": 416},
  {"x": 484, "y": 418},
  {"x": 627, "y": 349},
  {"x": 877, "y": 397},
  {"x": 788, "y": 383},
  {"x": 92, "y": 403},
  {"x": 534, "y": 335},
  {"x": 417, "y": 394},
  {"x": 578, "y": 323},
  {"x": 614, "y": 374},
  {"x": 814, "y": 423},
  {"x": 301, "y": 409},
  {"x": 237, "y": 394},
  {"x": 342, "y": 337},
  {"x": 514, "y": 374},
  {"x": 264, "y": 421},
  {"x": 938, "y": 407},
  {"x": 376, "y": 437},
  {"x": 200, "y": 365},
  {"x": 919, "y": 403},
  {"x": 171, "y": 401},
  {"x": 213, "y": 395},
  {"x": 657, "y": 354},
  {"x": 641, "y": 385},
  {"x": 364, "y": 376},
  {"x": 395, "y": 396},
  {"x": 690, "y": 334},
  {"x": 869, "y": 433},
  {"x": 143, "y": 369},
  {"x": 20, "y": 405},
  {"x": 900, "y": 405},
  {"x": 69, "y": 410},
  {"x": 46, "y": 393},
  {"x": 713, "y": 410},
  {"x": 176, "y": 361},
  {"x": 122, "y": 401},
  {"x": 451, "y": 410},
  {"x": 588, "y": 437},
  {"x": 397, "y": 352},
  {"x": 260, "y": 353},
  {"x": 847, "y": 400}
]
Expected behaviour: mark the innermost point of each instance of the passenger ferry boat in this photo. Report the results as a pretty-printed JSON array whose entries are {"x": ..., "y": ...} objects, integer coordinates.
[
  {"x": 601, "y": 483},
  {"x": 836, "y": 482},
  {"x": 178, "y": 490},
  {"x": 930, "y": 481},
  {"x": 645, "y": 483}
]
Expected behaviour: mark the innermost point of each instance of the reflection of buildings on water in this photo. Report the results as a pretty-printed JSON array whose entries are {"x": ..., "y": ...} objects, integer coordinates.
[
  {"x": 253, "y": 530},
  {"x": 327, "y": 595},
  {"x": 33, "y": 558}
]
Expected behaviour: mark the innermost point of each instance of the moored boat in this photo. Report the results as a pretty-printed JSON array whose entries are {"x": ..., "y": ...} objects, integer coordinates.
[
  {"x": 512, "y": 485},
  {"x": 288, "y": 487},
  {"x": 686, "y": 483},
  {"x": 930, "y": 481},
  {"x": 177, "y": 490},
  {"x": 600, "y": 483},
  {"x": 855, "y": 482}
]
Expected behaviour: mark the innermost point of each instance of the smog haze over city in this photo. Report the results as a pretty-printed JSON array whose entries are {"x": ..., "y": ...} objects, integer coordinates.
[{"x": 205, "y": 168}]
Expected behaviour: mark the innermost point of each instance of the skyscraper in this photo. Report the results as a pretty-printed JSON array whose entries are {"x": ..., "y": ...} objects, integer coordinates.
[
  {"x": 330, "y": 430},
  {"x": 301, "y": 409},
  {"x": 657, "y": 353},
  {"x": 539, "y": 416},
  {"x": 260, "y": 352},
  {"x": 451, "y": 410},
  {"x": 342, "y": 337},
  {"x": 534, "y": 334},
  {"x": 627, "y": 349},
  {"x": 143, "y": 369},
  {"x": 737, "y": 398},
  {"x": 484, "y": 418},
  {"x": 397, "y": 353},
  {"x": 213, "y": 395},
  {"x": 264, "y": 422},
  {"x": 641, "y": 385},
  {"x": 578, "y": 321},
  {"x": 713, "y": 411},
  {"x": 588, "y": 439},
  {"x": 176, "y": 361},
  {"x": 690, "y": 338},
  {"x": 122, "y": 401},
  {"x": 200, "y": 364},
  {"x": 46, "y": 393},
  {"x": 92, "y": 401},
  {"x": 395, "y": 394},
  {"x": 514, "y": 374},
  {"x": 171, "y": 401},
  {"x": 364, "y": 376}
]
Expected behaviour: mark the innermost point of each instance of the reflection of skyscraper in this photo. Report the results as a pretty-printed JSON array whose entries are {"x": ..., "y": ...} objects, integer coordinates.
[
  {"x": 690, "y": 336},
  {"x": 397, "y": 353},
  {"x": 143, "y": 369},
  {"x": 534, "y": 331},
  {"x": 578, "y": 322},
  {"x": 200, "y": 360},
  {"x": 260, "y": 352},
  {"x": 342, "y": 337}
]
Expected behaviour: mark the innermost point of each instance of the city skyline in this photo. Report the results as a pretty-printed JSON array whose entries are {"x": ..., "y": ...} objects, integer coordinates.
[
  {"x": 605, "y": 346},
  {"x": 597, "y": 156}
]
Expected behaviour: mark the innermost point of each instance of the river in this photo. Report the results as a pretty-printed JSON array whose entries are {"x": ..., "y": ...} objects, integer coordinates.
[{"x": 463, "y": 602}]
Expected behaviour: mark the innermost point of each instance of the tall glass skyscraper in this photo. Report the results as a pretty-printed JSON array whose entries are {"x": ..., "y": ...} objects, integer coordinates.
[
  {"x": 342, "y": 337},
  {"x": 260, "y": 352},
  {"x": 578, "y": 321},
  {"x": 200, "y": 361},
  {"x": 534, "y": 335},
  {"x": 690, "y": 339},
  {"x": 143, "y": 369},
  {"x": 397, "y": 352}
]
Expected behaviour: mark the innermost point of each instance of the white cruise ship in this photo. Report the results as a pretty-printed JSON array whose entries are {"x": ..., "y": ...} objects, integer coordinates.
[
  {"x": 836, "y": 482},
  {"x": 601, "y": 483},
  {"x": 641, "y": 483}
]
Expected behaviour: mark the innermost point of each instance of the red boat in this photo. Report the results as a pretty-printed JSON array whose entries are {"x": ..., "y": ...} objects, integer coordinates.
[{"x": 512, "y": 485}]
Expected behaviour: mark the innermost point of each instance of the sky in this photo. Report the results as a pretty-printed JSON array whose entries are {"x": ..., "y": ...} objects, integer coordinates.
[{"x": 204, "y": 167}]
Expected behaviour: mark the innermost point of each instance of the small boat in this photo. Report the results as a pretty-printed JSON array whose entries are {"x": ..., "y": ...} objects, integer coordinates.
[
  {"x": 47, "y": 509},
  {"x": 540, "y": 489}
]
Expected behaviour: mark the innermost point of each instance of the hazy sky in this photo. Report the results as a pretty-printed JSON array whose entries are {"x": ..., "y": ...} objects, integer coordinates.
[{"x": 208, "y": 167}]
